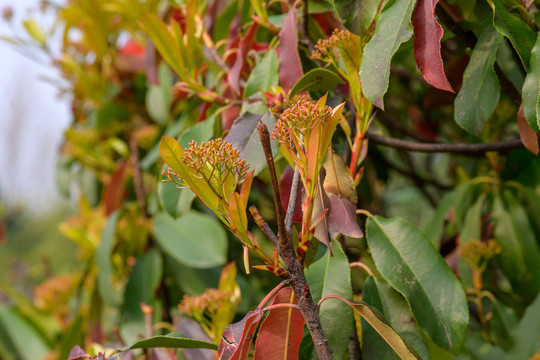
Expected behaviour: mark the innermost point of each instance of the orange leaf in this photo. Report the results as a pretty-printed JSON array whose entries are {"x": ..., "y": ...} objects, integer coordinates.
[
  {"x": 237, "y": 213},
  {"x": 281, "y": 332},
  {"x": 528, "y": 136},
  {"x": 236, "y": 339},
  {"x": 115, "y": 190}
]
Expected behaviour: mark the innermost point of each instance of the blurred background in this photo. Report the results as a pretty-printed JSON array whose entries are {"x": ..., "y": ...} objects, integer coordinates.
[{"x": 33, "y": 117}]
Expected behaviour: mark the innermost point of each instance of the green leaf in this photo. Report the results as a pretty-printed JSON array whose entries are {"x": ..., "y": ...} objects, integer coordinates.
[
  {"x": 380, "y": 295},
  {"x": 174, "y": 200},
  {"x": 264, "y": 75},
  {"x": 516, "y": 30},
  {"x": 103, "y": 259},
  {"x": 164, "y": 41},
  {"x": 471, "y": 230},
  {"x": 73, "y": 336},
  {"x": 158, "y": 97},
  {"x": 195, "y": 239},
  {"x": 109, "y": 114},
  {"x": 192, "y": 281},
  {"x": 393, "y": 28},
  {"x": 502, "y": 323},
  {"x": 410, "y": 263},
  {"x": 173, "y": 340},
  {"x": 28, "y": 343},
  {"x": 202, "y": 131},
  {"x": 330, "y": 275},
  {"x": 35, "y": 31},
  {"x": 483, "y": 350},
  {"x": 531, "y": 89},
  {"x": 378, "y": 322},
  {"x": 245, "y": 137},
  {"x": 316, "y": 79},
  {"x": 143, "y": 282},
  {"x": 433, "y": 230},
  {"x": 472, "y": 223},
  {"x": 519, "y": 257},
  {"x": 525, "y": 336},
  {"x": 356, "y": 15},
  {"x": 479, "y": 94}
]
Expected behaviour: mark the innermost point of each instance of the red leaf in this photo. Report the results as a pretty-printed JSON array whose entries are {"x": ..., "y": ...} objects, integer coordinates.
[
  {"x": 322, "y": 202},
  {"x": 427, "y": 44},
  {"x": 236, "y": 338},
  {"x": 116, "y": 189},
  {"x": 77, "y": 353},
  {"x": 290, "y": 68},
  {"x": 233, "y": 77},
  {"x": 3, "y": 235},
  {"x": 342, "y": 217},
  {"x": 281, "y": 332},
  {"x": 285, "y": 183},
  {"x": 528, "y": 136}
]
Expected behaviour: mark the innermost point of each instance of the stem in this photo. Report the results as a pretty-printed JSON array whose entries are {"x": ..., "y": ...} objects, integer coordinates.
[
  {"x": 263, "y": 225},
  {"x": 286, "y": 251},
  {"x": 361, "y": 265},
  {"x": 364, "y": 212},
  {"x": 273, "y": 292},
  {"x": 280, "y": 306},
  {"x": 465, "y": 149},
  {"x": 137, "y": 177},
  {"x": 291, "y": 208},
  {"x": 355, "y": 353}
]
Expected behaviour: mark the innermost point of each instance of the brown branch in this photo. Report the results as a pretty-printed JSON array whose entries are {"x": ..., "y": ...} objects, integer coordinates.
[
  {"x": 470, "y": 40},
  {"x": 355, "y": 353},
  {"x": 263, "y": 225},
  {"x": 465, "y": 149},
  {"x": 294, "y": 268},
  {"x": 303, "y": 28},
  {"x": 291, "y": 208},
  {"x": 137, "y": 176}
]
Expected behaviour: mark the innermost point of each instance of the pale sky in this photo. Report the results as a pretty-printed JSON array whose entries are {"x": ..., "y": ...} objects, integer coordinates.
[{"x": 32, "y": 119}]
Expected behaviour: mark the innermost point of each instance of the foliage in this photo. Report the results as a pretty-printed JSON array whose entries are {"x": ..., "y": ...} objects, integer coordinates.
[{"x": 186, "y": 114}]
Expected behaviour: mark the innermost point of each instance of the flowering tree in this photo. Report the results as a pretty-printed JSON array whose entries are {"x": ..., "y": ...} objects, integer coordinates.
[{"x": 316, "y": 117}]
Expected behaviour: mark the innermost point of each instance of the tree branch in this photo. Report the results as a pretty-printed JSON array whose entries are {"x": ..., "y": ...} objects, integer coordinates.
[
  {"x": 263, "y": 225},
  {"x": 465, "y": 149},
  {"x": 137, "y": 176},
  {"x": 295, "y": 269},
  {"x": 291, "y": 208}
]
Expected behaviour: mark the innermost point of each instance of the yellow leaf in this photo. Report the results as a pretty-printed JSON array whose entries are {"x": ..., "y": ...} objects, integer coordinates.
[{"x": 338, "y": 181}]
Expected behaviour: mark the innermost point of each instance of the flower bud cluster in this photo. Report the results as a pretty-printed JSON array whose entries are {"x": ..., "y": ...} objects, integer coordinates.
[
  {"x": 209, "y": 301},
  {"x": 299, "y": 120},
  {"x": 328, "y": 48},
  {"x": 217, "y": 162}
]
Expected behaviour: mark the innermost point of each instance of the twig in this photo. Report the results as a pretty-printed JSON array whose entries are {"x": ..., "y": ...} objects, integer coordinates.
[
  {"x": 280, "y": 216},
  {"x": 466, "y": 149},
  {"x": 263, "y": 225},
  {"x": 470, "y": 40},
  {"x": 355, "y": 353},
  {"x": 291, "y": 208},
  {"x": 137, "y": 176},
  {"x": 303, "y": 28},
  {"x": 286, "y": 251}
]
